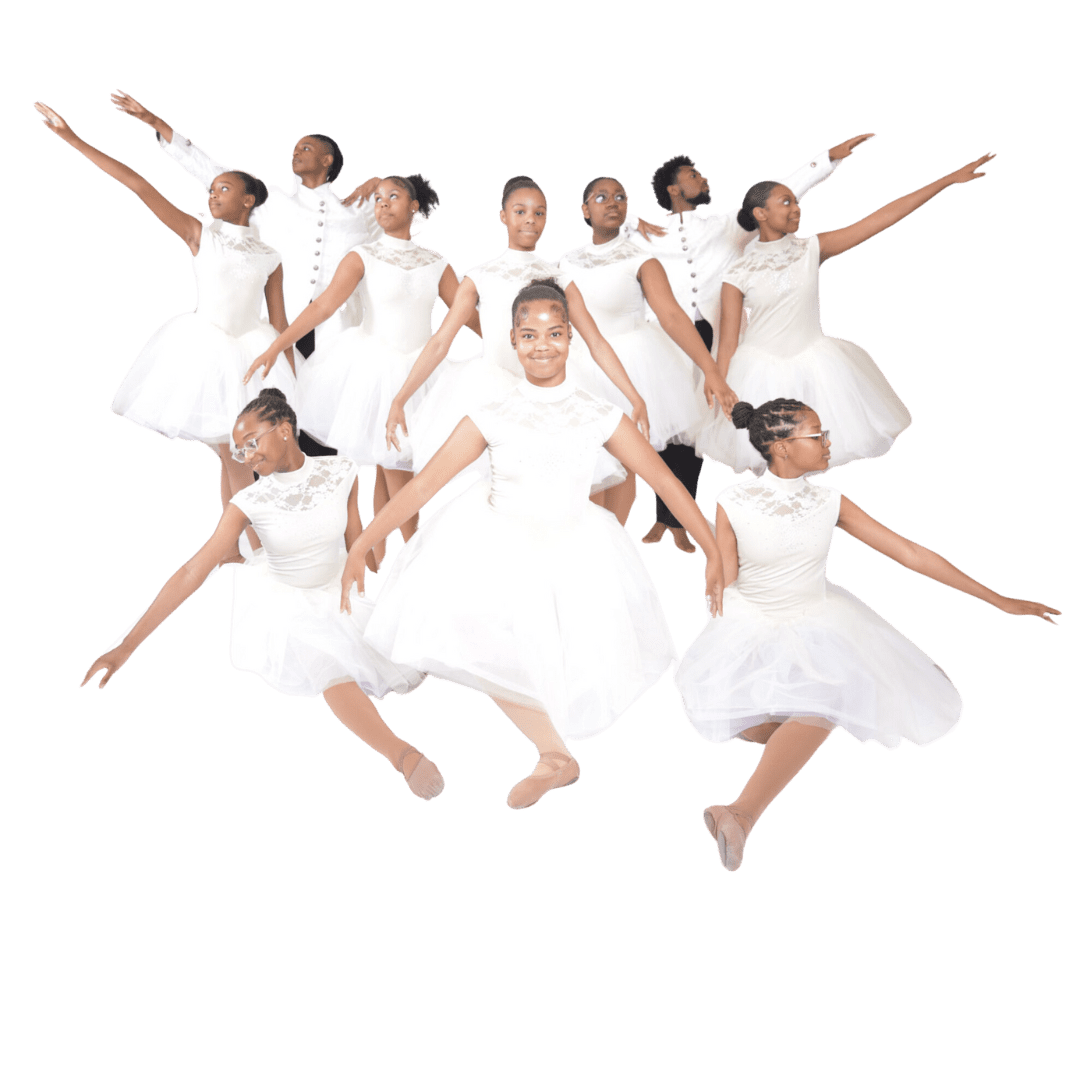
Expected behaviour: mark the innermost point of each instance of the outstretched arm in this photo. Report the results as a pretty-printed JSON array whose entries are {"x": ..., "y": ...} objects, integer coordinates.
[
  {"x": 346, "y": 277},
  {"x": 176, "y": 590},
  {"x": 188, "y": 228},
  {"x": 463, "y": 447},
  {"x": 833, "y": 243},
  {"x": 634, "y": 451},
  {"x": 820, "y": 167},
  {"x": 923, "y": 561},
  {"x": 605, "y": 357},
  {"x": 678, "y": 327}
]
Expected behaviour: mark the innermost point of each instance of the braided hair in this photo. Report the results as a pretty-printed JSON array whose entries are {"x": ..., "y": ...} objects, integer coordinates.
[
  {"x": 666, "y": 175},
  {"x": 271, "y": 404},
  {"x": 774, "y": 420},
  {"x": 541, "y": 289},
  {"x": 757, "y": 196},
  {"x": 419, "y": 189},
  {"x": 516, "y": 183},
  {"x": 339, "y": 158}
]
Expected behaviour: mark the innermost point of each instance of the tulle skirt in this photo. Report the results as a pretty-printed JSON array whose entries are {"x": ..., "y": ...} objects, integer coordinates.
[
  {"x": 344, "y": 393},
  {"x": 836, "y": 379},
  {"x": 840, "y": 661},
  {"x": 560, "y": 616},
  {"x": 187, "y": 381},
  {"x": 300, "y": 642}
]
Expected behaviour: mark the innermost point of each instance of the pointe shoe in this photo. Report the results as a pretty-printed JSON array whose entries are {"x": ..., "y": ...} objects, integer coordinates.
[
  {"x": 655, "y": 534},
  {"x": 425, "y": 779},
  {"x": 565, "y": 771},
  {"x": 729, "y": 835}
]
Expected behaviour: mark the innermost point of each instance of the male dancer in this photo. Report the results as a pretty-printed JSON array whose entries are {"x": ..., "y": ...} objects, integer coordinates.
[{"x": 695, "y": 252}]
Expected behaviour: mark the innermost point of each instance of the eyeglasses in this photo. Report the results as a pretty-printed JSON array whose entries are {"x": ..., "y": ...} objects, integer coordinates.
[
  {"x": 251, "y": 446},
  {"x": 822, "y": 435}
]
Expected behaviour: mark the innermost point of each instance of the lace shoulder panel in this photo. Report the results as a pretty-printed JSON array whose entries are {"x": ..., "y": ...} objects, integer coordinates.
[
  {"x": 577, "y": 409},
  {"x": 327, "y": 476},
  {"x": 764, "y": 498},
  {"x": 407, "y": 259},
  {"x": 758, "y": 259},
  {"x": 588, "y": 259},
  {"x": 248, "y": 244},
  {"x": 521, "y": 274}
]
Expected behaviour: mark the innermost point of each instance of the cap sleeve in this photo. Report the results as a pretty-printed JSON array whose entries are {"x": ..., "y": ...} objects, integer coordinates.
[{"x": 609, "y": 420}]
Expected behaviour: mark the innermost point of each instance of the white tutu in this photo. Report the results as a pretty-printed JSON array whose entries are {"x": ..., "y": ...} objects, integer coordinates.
[
  {"x": 564, "y": 617},
  {"x": 840, "y": 661},
  {"x": 299, "y": 641},
  {"x": 344, "y": 392},
  {"x": 837, "y": 379},
  {"x": 187, "y": 381}
]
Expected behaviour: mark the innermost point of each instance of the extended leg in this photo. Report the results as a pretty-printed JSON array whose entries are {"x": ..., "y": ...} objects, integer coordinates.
[
  {"x": 556, "y": 767},
  {"x": 686, "y": 465}
]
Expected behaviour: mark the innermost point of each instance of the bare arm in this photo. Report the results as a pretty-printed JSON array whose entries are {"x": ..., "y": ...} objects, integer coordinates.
[
  {"x": 840, "y": 240},
  {"x": 678, "y": 327},
  {"x": 188, "y": 228},
  {"x": 731, "y": 309},
  {"x": 363, "y": 192},
  {"x": 923, "y": 561},
  {"x": 127, "y": 104},
  {"x": 353, "y": 526},
  {"x": 448, "y": 287},
  {"x": 275, "y": 310},
  {"x": 634, "y": 451},
  {"x": 463, "y": 447},
  {"x": 175, "y": 591},
  {"x": 605, "y": 357},
  {"x": 346, "y": 277},
  {"x": 729, "y": 547}
]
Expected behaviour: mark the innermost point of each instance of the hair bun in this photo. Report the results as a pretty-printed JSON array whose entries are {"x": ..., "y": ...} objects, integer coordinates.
[
  {"x": 742, "y": 413},
  {"x": 272, "y": 392},
  {"x": 746, "y": 219}
]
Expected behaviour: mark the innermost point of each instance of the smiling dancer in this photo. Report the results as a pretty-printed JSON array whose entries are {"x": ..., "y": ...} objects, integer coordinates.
[{"x": 793, "y": 655}]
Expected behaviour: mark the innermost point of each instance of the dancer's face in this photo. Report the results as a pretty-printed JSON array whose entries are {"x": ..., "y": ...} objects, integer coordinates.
[
  {"x": 394, "y": 207},
  {"x": 605, "y": 208},
  {"x": 271, "y": 442},
  {"x": 541, "y": 335},
  {"x": 693, "y": 187},
  {"x": 310, "y": 157},
  {"x": 524, "y": 215},
  {"x": 228, "y": 198},
  {"x": 781, "y": 211},
  {"x": 804, "y": 450}
]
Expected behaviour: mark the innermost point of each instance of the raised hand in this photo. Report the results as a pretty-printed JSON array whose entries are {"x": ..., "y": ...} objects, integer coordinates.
[
  {"x": 111, "y": 661},
  {"x": 968, "y": 172},
  {"x": 1027, "y": 607},
  {"x": 54, "y": 121},
  {"x": 843, "y": 150},
  {"x": 363, "y": 192},
  {"x": 127, "y": 104}
]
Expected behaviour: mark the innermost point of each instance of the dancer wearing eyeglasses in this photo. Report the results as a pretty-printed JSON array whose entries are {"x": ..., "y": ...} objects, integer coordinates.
[
  {"x": 286, "y": 625},
  {"x": 795, "y": 656}
]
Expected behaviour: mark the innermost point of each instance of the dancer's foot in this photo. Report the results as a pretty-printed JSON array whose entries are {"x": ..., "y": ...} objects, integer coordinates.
[
  {"x": 553, "y": 770},
  {"x": 728, "y": 828},
  {"x": 682, "y": 541},
  {"x": 424, "y": 779},
  {"x": 655, "y": 534}
]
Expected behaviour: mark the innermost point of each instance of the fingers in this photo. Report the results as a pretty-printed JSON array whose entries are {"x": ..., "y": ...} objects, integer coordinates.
[
  {"x": 860, "y": 139},
  {"x": 97, "y": 666}
]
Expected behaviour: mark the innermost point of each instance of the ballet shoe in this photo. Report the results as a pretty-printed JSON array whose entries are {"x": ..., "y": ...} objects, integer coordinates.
[
  {"x": 682, "y": 541},
  {"x": 729, "y": 835},
  {"x": 564, "y": 772},
  {"x": 655, "y": 534},
  {"x": 425, "y": 779}
]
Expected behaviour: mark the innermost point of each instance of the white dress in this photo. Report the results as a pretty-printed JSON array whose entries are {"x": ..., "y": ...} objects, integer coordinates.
[
  {"x": 789, "y": 643},
  {"x": 187, "y": 381},
  {"x": 524, "y": 589},
  {"x": 607, "y": 275},
  {"x": 287, "y": 625},
  {"x": 784, "y": 354},
  {"x": 346, "y": 387}
]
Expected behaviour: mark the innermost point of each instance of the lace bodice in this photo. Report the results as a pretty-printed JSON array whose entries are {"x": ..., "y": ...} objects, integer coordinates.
[
  {"x": 779, "y": 283},
  {"x": 497, "y": 283},
  {"x": 231, "y": 271},
  {"x": 542, "y": 445},
  {"x": 300, "y": 518},
  {"x": 783, "y": 529},
  {"x": 607, "y": 274},
  {"x": 398, "y": 290}
]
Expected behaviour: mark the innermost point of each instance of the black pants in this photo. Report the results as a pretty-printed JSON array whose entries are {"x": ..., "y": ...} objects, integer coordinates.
[
  {"x": 682, "y": 460},
  {"x": 305, "y": 347}
]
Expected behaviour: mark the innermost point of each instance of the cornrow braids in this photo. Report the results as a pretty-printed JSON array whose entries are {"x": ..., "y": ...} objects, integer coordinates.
[
  {"x": 774, "y": 420},
  {"x": 540, "y": 289},
  {"x": 271, "y": 404},
  {"x": 757, "y": 196},
  {"x": 666, "y": 175}
]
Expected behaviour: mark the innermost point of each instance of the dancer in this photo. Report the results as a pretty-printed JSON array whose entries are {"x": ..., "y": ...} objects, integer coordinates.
[
  {"x": 286, "y": 622},
  {"x": 188, "y": 381},
  {"x": 524, "y": 589},
  {"x": 616, "y": 278},
  {"x": 795, "y": 656},
  {"x": 491, "y": 288},
  {"x": 695, "y": 253},
  {"x": 345, "y": 389},
  {"x": 783, "y": 349}
]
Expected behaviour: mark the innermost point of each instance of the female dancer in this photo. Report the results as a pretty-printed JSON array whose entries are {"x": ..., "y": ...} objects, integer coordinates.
[
  {"x": 794, "y": 655},
  {"x": 616, "y": 278},
  {"x": 286, "y": 622},
  {"x": 531, "y": 593},
  {"x": 188, "y": 380},
  {"x": 491, "y": 288},
  {"x": 345, "y": 389},
  {"x": 783, "y": 349}
]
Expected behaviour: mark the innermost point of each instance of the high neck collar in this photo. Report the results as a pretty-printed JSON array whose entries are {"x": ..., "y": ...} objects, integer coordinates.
[
  {"x": 227, "y": 228},
  {"x": 606, "y": 246},
  {"x": 523, "y": 257},
  {"x": 297, "y": 476},
  {"x": 786, "y": 484},
  {"x": 395, "y": 243},
  {"x": 546, "y": 394},
  {"x": 776, "y": 245}
]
